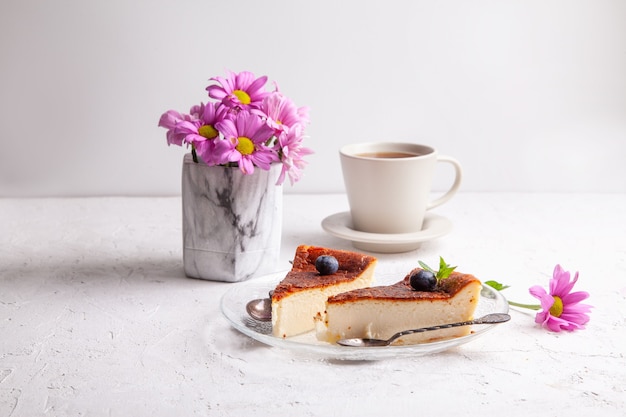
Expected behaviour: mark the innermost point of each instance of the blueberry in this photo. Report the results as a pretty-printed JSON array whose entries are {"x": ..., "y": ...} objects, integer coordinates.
[
  {"x": 326, "y": 264},
  {"x": 423, "y": 280}
]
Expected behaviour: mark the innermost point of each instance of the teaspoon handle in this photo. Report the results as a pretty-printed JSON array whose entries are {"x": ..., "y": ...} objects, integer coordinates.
[{"x": 490, "y": 318}]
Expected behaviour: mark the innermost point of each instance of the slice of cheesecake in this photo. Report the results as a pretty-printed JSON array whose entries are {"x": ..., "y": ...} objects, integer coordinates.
[
  {"x": 302, "y": 294},
  {"x": 380, "y": 312}
]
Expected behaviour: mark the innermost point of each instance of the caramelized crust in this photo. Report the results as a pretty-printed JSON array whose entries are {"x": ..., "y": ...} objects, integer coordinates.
[
  {"x": 303, "y": 274},
  {"x": 402, "y": 291}
]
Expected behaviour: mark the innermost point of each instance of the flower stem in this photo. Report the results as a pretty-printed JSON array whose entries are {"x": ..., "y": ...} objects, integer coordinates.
[
  {"x": 528, "y": 306},
  {"x": 194, "y": 155}
]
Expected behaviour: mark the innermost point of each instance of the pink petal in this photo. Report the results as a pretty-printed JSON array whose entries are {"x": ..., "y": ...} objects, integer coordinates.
[
  {"x": 553, "y": 324},
  {"x": 258, "y": 84},
  {"x": 243, "y": 80},
  {"x": 571, "y": 325},
  {"x": 575, "y": 318},
  {"x": 575, "y": 297},
  {"x": 246, "y": 166},
  {"x": 561, "y": 285},
  {"x": 186, "y": 127},
  {"x": 577, "y": 308},
  {"x": 545, "y": 299},
  {"x": 169, "y": 119},
  {"x": 216, "y": 92},
  {"x": 227, "y": 128},
  {"x": 537, "y": 291},
  {"x": 542, "y": 317},
  {"x": 228, "y": 83}
]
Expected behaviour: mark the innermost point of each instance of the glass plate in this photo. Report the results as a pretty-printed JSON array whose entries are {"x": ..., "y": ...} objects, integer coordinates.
[{"x": 233, "y": 305}]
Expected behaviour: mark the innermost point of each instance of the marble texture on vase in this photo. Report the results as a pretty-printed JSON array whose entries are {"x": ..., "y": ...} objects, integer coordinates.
[{"x": 232, "y": 222}]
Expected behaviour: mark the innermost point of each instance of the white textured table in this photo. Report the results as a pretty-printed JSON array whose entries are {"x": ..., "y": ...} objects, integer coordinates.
[{"x": 97, "y": 318}]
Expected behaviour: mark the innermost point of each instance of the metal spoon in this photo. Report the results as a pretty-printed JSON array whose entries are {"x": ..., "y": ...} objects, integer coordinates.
[
  {"x": 261, "y": 308},
  {"x": 365, "y": 342}
]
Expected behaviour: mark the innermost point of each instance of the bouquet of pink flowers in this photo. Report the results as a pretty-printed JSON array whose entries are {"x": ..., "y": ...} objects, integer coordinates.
[{"x": 246, "y": 127}]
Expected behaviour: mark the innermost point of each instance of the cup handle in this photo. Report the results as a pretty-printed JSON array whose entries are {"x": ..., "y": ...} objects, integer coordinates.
[{"x": 458, "y": 173}]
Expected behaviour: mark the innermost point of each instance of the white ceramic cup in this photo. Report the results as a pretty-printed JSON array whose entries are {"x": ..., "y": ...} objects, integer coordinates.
[{"x": 389, "y": 185}]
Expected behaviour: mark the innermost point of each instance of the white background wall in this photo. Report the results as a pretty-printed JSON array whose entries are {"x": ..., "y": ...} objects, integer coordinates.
[{"x": 528, "y": 95}]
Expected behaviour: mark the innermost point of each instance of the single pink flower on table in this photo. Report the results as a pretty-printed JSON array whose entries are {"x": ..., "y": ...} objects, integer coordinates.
[
  {"x": 241, "y": 90},
  {"x": 245, "y": 138},
  {"x": 291, "y": 153},
  {"x": 561, "y": 309}
]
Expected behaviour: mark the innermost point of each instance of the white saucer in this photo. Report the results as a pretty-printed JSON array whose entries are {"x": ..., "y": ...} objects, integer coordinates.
[{"x": 340, "y": 224}]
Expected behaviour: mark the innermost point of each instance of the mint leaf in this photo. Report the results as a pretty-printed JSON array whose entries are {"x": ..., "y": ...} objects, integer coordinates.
[
  {"x": 496, "y": 285},
  {"x": 426, "y": 267},
  {"x": 444, "y": 269}
]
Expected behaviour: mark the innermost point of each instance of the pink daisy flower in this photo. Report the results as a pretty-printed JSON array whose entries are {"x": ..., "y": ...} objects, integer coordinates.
[
  {"x": 281, "y": 112},
  {"x": 291, "y": 153},
  {"x": 242, "y": 90},
  {"x": 244, "y": 142},
  {"x": 246, "y": 127},
  {"x": 560, "y": 308},
  {"x": 201, "y": 131}
]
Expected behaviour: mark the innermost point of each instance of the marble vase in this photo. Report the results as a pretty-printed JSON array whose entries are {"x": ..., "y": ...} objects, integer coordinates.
[{"x": 232, "y": 222}]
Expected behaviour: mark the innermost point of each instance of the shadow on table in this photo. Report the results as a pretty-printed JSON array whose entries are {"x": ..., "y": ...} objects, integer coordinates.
[{"x": 139, "y": 268}]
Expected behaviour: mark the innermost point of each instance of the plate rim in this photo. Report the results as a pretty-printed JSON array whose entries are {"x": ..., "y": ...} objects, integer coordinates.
[
  {"x": 332, "y": 351},
  {"x": 441, "y": 226}
]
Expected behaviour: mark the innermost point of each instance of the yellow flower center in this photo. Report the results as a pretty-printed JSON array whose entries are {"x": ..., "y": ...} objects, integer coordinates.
[
  {"x": 243, "y": 97},
  {"x": 208, "y": 131},
  {"x": 245, "y": 146},
  {"x": 557, "y": 308}
]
